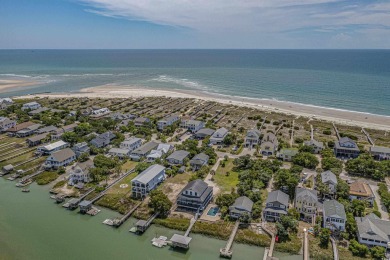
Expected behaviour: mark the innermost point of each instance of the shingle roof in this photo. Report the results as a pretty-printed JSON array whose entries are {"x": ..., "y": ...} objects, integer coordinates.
[
  {"x": 197, "y": 186},
  {"x": 333, "y": 207},
  {"x": 205, "y": 131},
  {"x": 220, "y": 132},
  {"x": 254, "y": 132},
  {"x": 372, "y": 227},
  {"x": 244, "y": 203},
  {"x": 200, "y": 158},
  {"x": 328, "y": 176},
  {"x": 178, "y": 155},
  {"x": 146, "y": 148},
  {"x": 147, "y": 175},
  {"x": 278, "y": 196},
  {"x": 37, "y": 138},
  {"x": 359, "y": 188},
  {"x": 118, "y": 151},
  {"x": 64, "y": 154},
  {"x": 181, "y": 239},
  {"x": 315, "y": 143},
  {"x": 306, "y": 195}
]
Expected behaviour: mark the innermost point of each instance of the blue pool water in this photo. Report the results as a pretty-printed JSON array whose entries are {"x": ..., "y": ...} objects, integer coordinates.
[{"x": 213, "y": 211}]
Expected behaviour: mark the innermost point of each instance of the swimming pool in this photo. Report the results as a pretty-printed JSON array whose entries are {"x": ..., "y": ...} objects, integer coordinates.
[{"x": 213, "y": 211}]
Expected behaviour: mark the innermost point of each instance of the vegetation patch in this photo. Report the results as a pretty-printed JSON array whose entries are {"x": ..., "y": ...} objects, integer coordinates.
[
  {"x": 46, "y": 177},
  {"x": 116, "y": 202}
]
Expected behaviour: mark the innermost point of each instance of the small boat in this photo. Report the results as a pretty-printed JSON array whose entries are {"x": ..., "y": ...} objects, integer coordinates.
[
  {"x": 25, "y": 190},
  {"x": 159, "y": 241}
]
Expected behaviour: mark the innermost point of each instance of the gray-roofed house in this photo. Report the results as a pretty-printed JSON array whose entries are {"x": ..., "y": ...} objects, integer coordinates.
[
  {"x": 143, "y": 151},
  {"x": 80, "y": 172},
  {"x": 85, "y": 206},
  {"x": 330, "y": 179},
  {"x": 37, "y": 139},
  {"x": 195, "y": 196},
  {"x": 204, "y": 132},
  {"x": 198, "y": 161},
  {"x": 219, "y": 135},
  {"x": 131, "y": 144},
  {"x": 103, "y": 140},
  {"x": 269, "y": 144},
  {"x": 252, "y": 138},
  {"x": 287, "y": 154},
  {"x": 192, "y": 125},
  {"x": 28, "y": 130},
  {"x": 6, "y": 123},
  {"x": 380, "y": 153},
  {"x": 47, "y": 129},
  {"x": 158, "y": 152},
  {"x": 306, "y": 203},
  {"x": 141, "y": 121},
  {"x": 38, "y": 111},
  {"x": 147, "y": 180},
  {"x": 60, "y": 158},
  {"x": 177, "y": 157},
  {"x": 241, "y": 206},
  {"x": 31, "y": 105},
  {"x": 334, "y": 216},
  {"x": 373, "y": 231},
  {"x": 167, "y": 121},
  {"x": 346, "y": 148},
  {"x": 60, "y": 131},
  {"x": 316, "y": 145},
  {"x": 81, "y": 148},
  {"x": 180, "y": 241},
  {"x": 121, "y": 153},
  {"x": 276, "y": 206}
]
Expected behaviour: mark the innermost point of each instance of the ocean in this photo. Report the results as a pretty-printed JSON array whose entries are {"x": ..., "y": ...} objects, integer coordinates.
[{"x": 356, "y": 80}]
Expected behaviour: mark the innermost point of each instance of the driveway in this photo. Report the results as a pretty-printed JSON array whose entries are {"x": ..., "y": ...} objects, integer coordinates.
[{"x": 381, "y": 207}]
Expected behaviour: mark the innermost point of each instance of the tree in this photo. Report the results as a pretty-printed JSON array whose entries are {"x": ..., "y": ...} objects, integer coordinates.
[
  {"x": 358, "y": 207},
  {"x": 358, "y": 249},
  {"x": 70, "y": 137},
  {"x": 306, "y": 149},
  {"x": 306, "y": 160},
  {"x": 292, "y": 212},
  {"x": 83, "y": 157},
  {"x": 284, "y": 179},
  {"x": 342, "y": 189},
  {"x": 83, "y": 129},
  {"x": 142, "y": 166},
  {"x": 378, "y": 252},
  {"x": 324, "y": 237},
  {"x": 159, "y": 202},
  {"x": 351, "y": 226},
  {"x": 102, "y": 161},
  {"x": 322, "y": 189},
  {"x": 332, "y": 163}
]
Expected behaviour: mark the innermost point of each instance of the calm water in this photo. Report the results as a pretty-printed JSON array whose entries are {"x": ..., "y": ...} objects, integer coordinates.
[
  {"x": 357, "y": 80},
  {"x": 33, "y": 227}
]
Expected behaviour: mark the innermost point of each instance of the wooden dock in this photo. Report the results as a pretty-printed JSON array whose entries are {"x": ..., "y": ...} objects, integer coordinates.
[
  {"x": 143, "y": 225},
  {"x": 226, "y": 251},
  {"x": 337, "y": 131},
  {"x": 368, "y": 137},
  {"x": 119, "y": 221},
  {"x": 268, "y": 253}
]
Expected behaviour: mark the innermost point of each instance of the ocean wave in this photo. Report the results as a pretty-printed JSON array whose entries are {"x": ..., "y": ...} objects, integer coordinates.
[
  {"x": 182, "y": 82},
  {"x": 16, "y": 75}
]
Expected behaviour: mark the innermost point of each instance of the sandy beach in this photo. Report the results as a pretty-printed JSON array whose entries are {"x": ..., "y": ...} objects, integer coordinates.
[
  {"x": 10, "y": 84},
  {"x": 333, "y": 115}
]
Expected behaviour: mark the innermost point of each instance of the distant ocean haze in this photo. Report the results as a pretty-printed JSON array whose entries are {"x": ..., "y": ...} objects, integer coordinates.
[{"x": 357, "y": 80}]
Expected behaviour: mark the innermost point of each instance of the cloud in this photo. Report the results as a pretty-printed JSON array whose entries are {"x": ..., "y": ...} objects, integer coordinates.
[{"x": 277, "y": 17}]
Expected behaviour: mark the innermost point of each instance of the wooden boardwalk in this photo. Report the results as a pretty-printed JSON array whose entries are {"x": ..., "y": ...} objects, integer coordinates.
[{"x": 226, "y": 251}]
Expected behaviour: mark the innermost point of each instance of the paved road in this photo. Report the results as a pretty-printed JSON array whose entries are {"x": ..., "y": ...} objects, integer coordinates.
[{"x": 381, "y": 207}]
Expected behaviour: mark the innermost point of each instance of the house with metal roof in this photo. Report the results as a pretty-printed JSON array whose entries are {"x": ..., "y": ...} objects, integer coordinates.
[
  {"x": 287, "y": 154},
  {"x": 306, "y": 203},
  {"x": 203, "y": 133},
  {"x": 276, "y": 206},
  {"x": 198, "y": 161},
  {"x": 60, "y": 159},
  {"x": 269, "y": 144},
  {"x": 360, "y": 190},
  {"x": 6, "y": 123},
  {"x": 373, "y": 231},
  {"x": 334, "y": 216},
  {"x": 131, "y": 144},
  {"x": 219, "y": 135},
  {"x": 380, "y": 153},
  {"x": 241, "y": 206},
  {"x": 330, "y": 179},
  {"x": 316, "y": 145},
  {"x": 147, "y": 180},
  {"x": 158, "y": 152},
  {"x": 177, "y": 157},
  {"x": 143, "y": 151},
  {"x": 167, "y": 121},
  {"x": 346, "y": 148},
  {"x": 192, "y": 125},
  {"x": 53, "y": 147},
  {"x": 195, "y": 196},
  {"x": 85, "y": 206},
  {"x": 252, "y": 138}
]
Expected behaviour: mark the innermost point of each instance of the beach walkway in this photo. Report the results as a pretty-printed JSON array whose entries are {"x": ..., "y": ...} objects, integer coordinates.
[{"x": 369, "y": 139}]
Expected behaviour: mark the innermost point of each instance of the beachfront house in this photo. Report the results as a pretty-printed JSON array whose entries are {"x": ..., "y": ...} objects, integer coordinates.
[
  {"x": 177, "y": 157},
  {"x": 276, "y": 206},
  {"x": 147, "y": 180},
  {"x": 192, "y": 125},
  {"x": 252, "y": 138},
  {"x": 79, "y": 173},
  {"x": 100, "y": 112},
  {"x": 167, "y": 121},
  {"x": 219, "y": 136},
  {"x": 158, "y": 152},
  {"x": 287, "y": 154},
  {"x": 16, "y": 128},
  {"x": 143, "y": 151},
  {"x": 203, "y": 133},
  {"x": 241, "y": 206},
  {"x": 60, "y": 158},
  {"x": 31, "y": 106},
  {"x": 329, "y": 179},
  {"x": 334, "y": 216},
  {"x": 38, "y": 111},
  {"x": 195, "y": 196},
  {"x": 37, "y": 139},
  {"x": 380, "y": 153},
  {"x": 81, "y": 148},
  {"x": 30, "y": 130},
  {"x": 346, "y": 148},
  {"x": 103, "y": 140},
  {"x": 269, "y": 144},
  {"x": 131, "y": 144},
  {"x": 6, "y": 123},
  {"x": 373, "y": 231},
  {"x": 53, "y": 147},
  {"x": 306, "y": 203},
  {"x": 198, "y": 161},
  {"x": 141, "y": 121},
  {"x": 317, "y": 146},
  {"x": 360, "y": 190},
  {"x": 119, "y": 152},
  {"x": 5, "y": 102}
]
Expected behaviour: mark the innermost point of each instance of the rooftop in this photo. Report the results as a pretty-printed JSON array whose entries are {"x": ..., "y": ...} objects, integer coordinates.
[
  {"x": 147, "y": 175},
  {"x": 334, "y": 208},
  {"x": 359, "y": 188}
]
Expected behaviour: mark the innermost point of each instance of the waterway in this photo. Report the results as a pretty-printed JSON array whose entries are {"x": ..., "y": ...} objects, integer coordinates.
[{"x": 33, "y": 227}]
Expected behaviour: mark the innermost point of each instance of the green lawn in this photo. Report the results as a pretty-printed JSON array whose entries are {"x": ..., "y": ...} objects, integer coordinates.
[
  {"x": 129, "y": 165},
  {"x": 46, "y": 177},
  {"x": 226, "y": 183},
  {"x": 317, "y": 252},
  {"x": 116, "y": 189},
  {"x": 344, "y": 253}
]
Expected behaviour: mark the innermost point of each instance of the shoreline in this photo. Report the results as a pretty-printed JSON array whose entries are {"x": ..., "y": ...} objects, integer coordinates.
[
  {"x": 338, "y": 116},
  {"x": 7, "y": 85}
]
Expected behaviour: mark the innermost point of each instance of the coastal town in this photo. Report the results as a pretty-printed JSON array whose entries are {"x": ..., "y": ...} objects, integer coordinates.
[{"x": 293, "y": 184}]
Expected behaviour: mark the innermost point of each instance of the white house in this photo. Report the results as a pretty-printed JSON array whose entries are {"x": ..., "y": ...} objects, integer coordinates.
[
  {"x": 80, "y": 172},
  {"x": 6, "y": 123},
  {"x": 167, "y": 121},
  {"x": 219, "y": 135},
  {"x": 60, "y": 158},
  {"x": 334, "y": 216},
  {"x": 51, "y": 148},
  {"x": 192, "y": 125},
  {"x": 373, "y": 231},
  {"x": 158, "y": 152},
  {"x": 252, "y": 138},
  {"x": 131, "y": 144},
  {"x": 31, "y": 105},
  {"x": 317, "y": 146},
  {"x": 147, "y": 180}
]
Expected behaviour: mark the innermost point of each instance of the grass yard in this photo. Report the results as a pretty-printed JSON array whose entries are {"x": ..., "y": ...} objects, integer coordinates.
[
  {"x": 129, "y": 165},
  {"x": 317, "y": 252},
  {"x": 344, "y": 253},
  {"x": 116, "y": 189},
  {"x": 46, "y": 177},
  {"x": 117, "y": 202},
  {"x": 226, "y": 183}
]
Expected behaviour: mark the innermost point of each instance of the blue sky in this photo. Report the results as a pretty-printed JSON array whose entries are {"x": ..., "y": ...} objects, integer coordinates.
[{"x": 194, "y": 24}]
